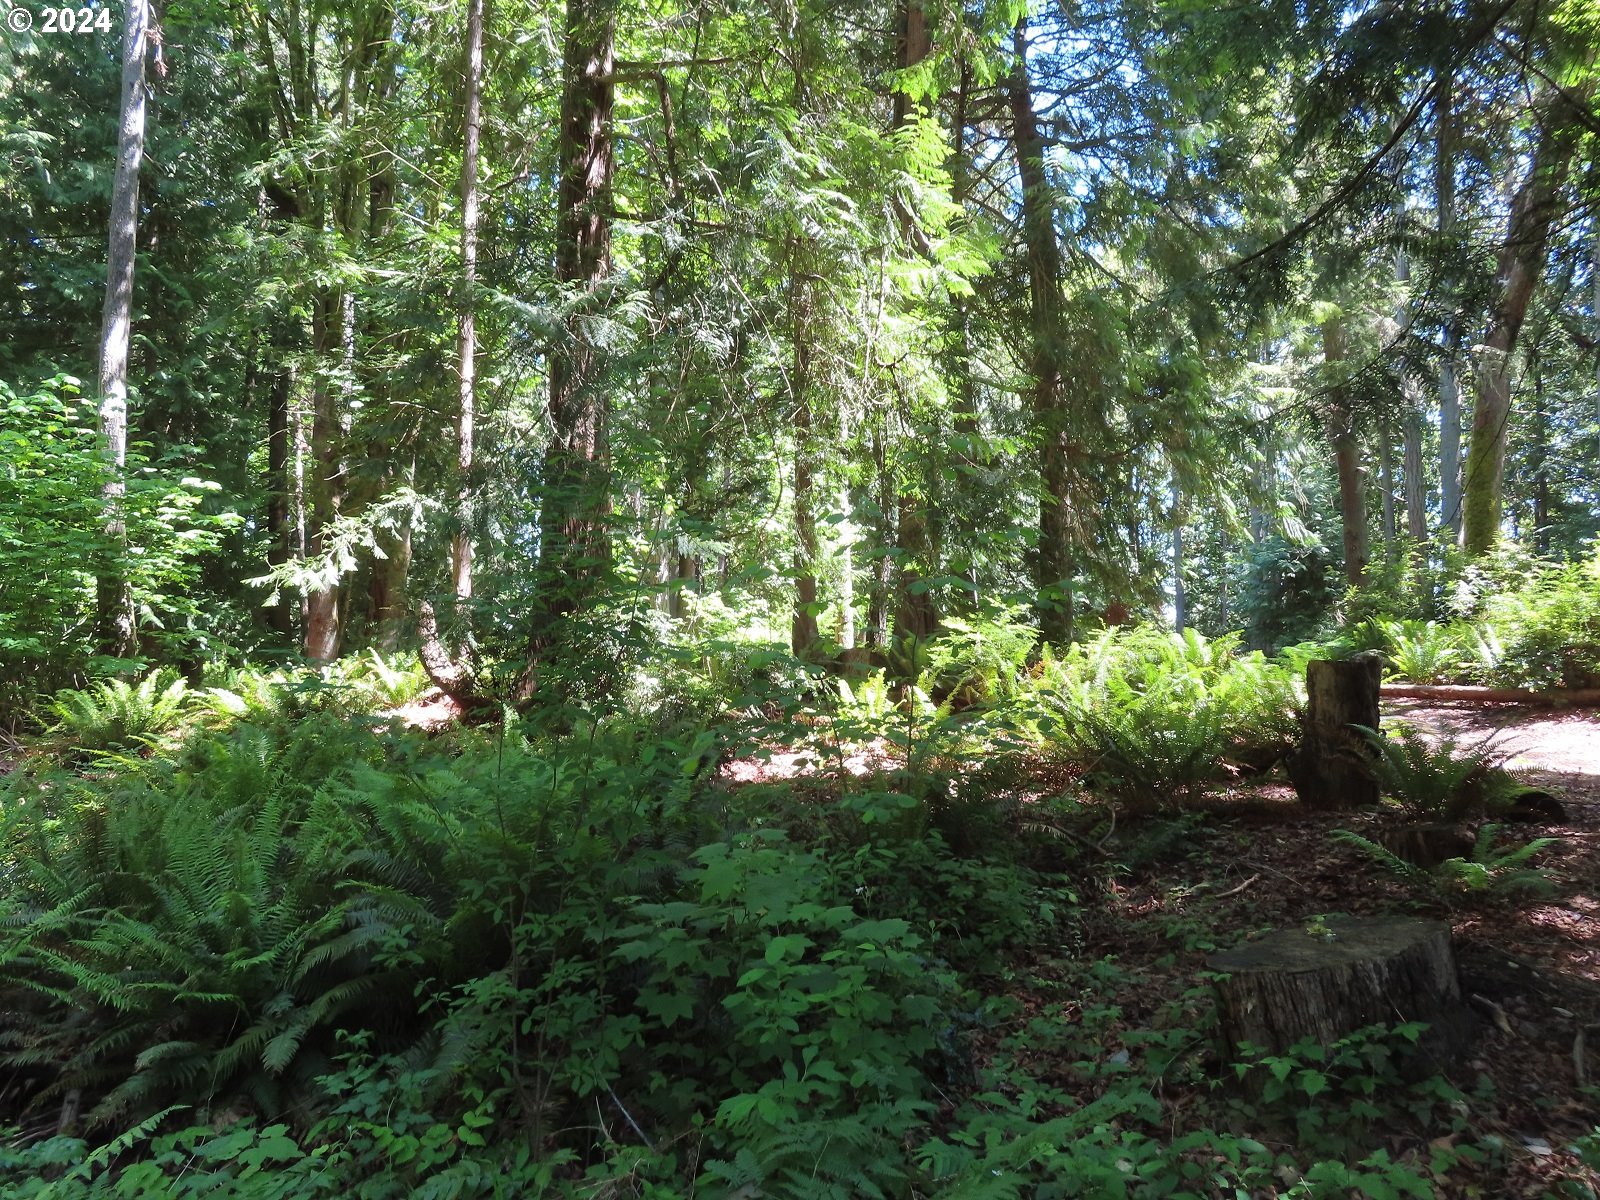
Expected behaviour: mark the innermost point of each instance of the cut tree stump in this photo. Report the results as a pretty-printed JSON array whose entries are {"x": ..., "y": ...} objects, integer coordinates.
[
  {"x": 1426, "y": 845},
  {"x": 1333, "y": 766},
  {"x": 1292, "y": 985}
]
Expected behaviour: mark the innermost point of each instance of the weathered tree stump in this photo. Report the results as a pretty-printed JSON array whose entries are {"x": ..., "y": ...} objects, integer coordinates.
[
  {"x": 1333, "y": 766},
  {"x": 1293, "y": 984},
  {"x": 1426, "y": 845}
]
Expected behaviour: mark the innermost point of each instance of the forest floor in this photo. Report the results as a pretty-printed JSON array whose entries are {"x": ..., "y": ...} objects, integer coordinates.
[{"x": 1530, "y": 967}]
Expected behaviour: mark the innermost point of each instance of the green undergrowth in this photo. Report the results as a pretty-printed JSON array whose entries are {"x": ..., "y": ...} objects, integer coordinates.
[
  {"x": 286, "y": 949},
  {"x": 1510, "y": 621}
]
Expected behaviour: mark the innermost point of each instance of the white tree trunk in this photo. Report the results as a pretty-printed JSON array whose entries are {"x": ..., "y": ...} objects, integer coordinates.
[
  {"x": 115, "y": 598},
  {"x": 461, "y": 548}
]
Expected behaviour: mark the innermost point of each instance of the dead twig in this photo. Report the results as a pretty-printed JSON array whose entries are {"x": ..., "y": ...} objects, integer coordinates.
[
  {"x": 1237, "y": 888},
  {"x": 1496, "y": 1013}
]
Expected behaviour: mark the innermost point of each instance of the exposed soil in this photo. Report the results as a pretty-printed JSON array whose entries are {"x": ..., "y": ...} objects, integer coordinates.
[{"x": 1530, "y": 966}]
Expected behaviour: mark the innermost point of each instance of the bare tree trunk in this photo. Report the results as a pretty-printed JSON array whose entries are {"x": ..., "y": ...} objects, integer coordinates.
[
  {"x": 467, "y": 342},
  {"x": 1347, "y": 460},
  {"x": 1540, "y": 457},
  {"x": 1180, "y": 598},
  {"x": 847, "y": 557},
  {"x": 574, "y": 551},
  {"x": 968, "y": 426},
  {"x": 114, "y": 597},
  {"x": 1449, "y": 386},
  {"x": 1416, "y": 492},
  {"x": 804, "y": 634},
  {"x": 881, "y": 585},
  {"x": 1533, "y": 209},
  {"x": 281, "y": 535},
  {"x": 387, "y": 606},
  {"x": 1053, "y": 566},
  {"x": 325, "y": 492},
  {"x": 1391, "y": 545},
  {"x": 915, "y": 616}
]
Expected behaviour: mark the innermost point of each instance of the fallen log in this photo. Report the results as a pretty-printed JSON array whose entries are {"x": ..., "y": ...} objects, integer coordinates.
[{"x": 1452, "y": 693}]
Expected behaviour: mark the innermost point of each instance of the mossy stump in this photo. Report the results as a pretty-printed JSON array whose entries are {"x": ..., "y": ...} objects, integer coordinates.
[{"x": 1293, "y": 984}]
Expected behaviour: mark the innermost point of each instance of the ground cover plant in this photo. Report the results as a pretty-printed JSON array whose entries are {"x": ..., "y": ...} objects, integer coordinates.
[
  {"x": 616, "y": 600},
  {"x": 304, "y": 951}
]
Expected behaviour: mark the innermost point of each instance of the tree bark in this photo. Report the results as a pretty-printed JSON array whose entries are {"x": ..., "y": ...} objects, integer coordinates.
[
  {"x": 1332, "y": 769},
  {"x": 1449, "y": 386},
  {"x": 387, "y": 607},
  {"x": 1521, "y": 262},
  {"x": 114, "y": 596},
  {"x": 1347, "y": 460},
  {"x": 1416, "y": 490},
  {"x": 1386, "y": 481},
  {"x": 1053, "y": 567},
  {"x": 1464, "y": 694},
  {"x": 915, "y": 615},
  {"x": 1295, "y": 984},
  {"x": 574, "y": 552},
  {"x": 1540, "y": 462},
  {"x": 324, "y": 493},
  {"x": 1180, "y": 595},
  {"x": 280, "y": 489},
  {"x": 803, "y": 632},
  {"x": 467, "y": 339}
]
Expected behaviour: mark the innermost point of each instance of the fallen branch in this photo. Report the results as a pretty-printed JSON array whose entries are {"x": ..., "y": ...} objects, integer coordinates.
[
  {"x": 1234, "y": 891},
  {"x": 1556, "y": 698},
  {"x": 1496, "y": 1013}
]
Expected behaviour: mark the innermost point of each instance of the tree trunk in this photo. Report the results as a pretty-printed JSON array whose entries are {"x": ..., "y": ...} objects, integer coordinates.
[
  {"x": 882, "y": 579},
  {"x": 387, "y": 607},
  {"x": 1180, "y": 597},
  {"x": 1053, "y": 567},
  {"x": 574, "y": 552},
  {"x": 1450, "y": 439},
  {"x": 1594, "y": 305},
  {"x": 1448, "y": 693},
  {"x": 1332, "y": 769},
  {"x": 114, "y": 597},
  {"x": 1415, "y": 498},
  {"x": 1353, "y": 972},
  {"x": 968, "y": 426},
  {"x": 1386, "y": 511},
  {"x": 324, "y": 493},
  {"x": 1449, "y": 386},
  {"x": 1347, "y": 460},
  {"x": 803, "y": 632},
  {"x": 280, "y": 490},
  {"x": 1521, "y": 263},
  {"x": 467, "y": 340},
  {"x": 1416, "y": 489},
  {"x": 915, "y": 615},
  {"x": 1540, "y": 462}
]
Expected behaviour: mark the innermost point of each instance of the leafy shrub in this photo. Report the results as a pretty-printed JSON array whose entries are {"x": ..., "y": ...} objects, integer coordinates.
[
  {"x": 185, "y": 936},
  {"x": 1420, "y": 651},
  {"x": 1154, "y": 715},
  {"x": 52, "y": 530},
  {"x": 1289, "y": 591},
  {"x": 979, "y": 660},
  {"x": 116, "y": 715},
  {"x": 1486, "y": 871},
  {"x": 1433, "y": 777},
  {"x": 1549, "y": 627}
]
